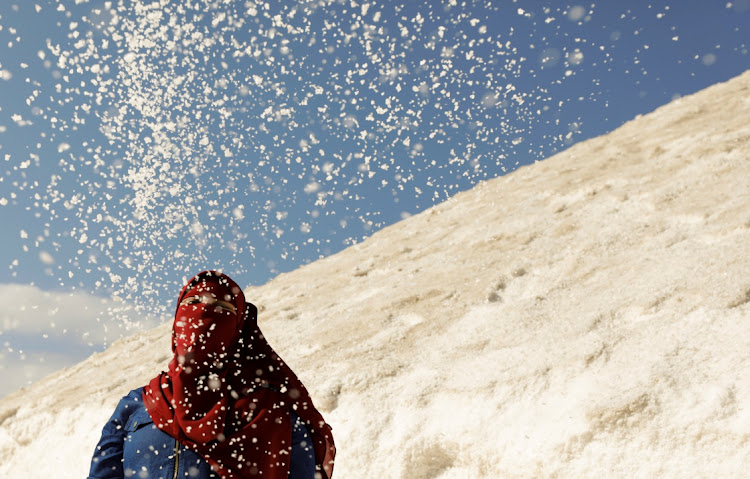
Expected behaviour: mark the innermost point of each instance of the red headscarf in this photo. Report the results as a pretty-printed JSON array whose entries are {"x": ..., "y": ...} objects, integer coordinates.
[{"x": 227, "y": 394}]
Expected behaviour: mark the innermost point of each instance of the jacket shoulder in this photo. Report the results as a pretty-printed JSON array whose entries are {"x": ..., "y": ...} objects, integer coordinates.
[{"x": 128, "y": 405}]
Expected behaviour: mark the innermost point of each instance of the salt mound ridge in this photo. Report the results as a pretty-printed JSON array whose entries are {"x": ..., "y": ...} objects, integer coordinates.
[{"x": 587, "y": 316}]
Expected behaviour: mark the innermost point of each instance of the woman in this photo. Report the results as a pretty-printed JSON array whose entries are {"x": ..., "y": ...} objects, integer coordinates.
[{"x": 228, "y": 407}]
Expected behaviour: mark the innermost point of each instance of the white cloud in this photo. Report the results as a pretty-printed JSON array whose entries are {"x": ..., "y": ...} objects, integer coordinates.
[
  {"x": 43, "y": 331},
  {"x": 20, "y": 369},
  {"x": 28, "y": 309}
]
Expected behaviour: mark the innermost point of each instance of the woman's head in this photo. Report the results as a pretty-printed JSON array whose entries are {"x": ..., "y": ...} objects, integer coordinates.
[
  {"x": 211, "y": 313},
  {"x": 212, "y": 287}
]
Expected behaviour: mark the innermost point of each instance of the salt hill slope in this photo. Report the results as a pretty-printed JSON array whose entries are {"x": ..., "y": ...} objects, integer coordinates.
[{"x": 587, "y": 316}]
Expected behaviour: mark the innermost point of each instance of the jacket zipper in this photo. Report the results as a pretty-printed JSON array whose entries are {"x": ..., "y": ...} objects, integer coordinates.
[{"x": 176, "y": 457}]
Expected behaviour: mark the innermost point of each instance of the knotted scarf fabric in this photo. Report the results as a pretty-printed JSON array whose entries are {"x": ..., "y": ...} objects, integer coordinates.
[{"x": 227, "y": 394}]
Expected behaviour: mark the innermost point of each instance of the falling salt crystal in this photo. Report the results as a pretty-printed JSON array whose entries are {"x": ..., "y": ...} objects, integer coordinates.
[
  {"x": 709, "y": 59},
  {"x": 576, "y": 13},
  {"x": 46, "y": 258},
  {"x": 214, "y": 382},
  {"x": 575, "y": 57},
  {"x": 196, "y": 228}
]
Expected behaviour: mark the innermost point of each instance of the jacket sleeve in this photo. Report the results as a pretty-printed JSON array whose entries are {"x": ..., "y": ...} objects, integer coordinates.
[{"x": 107, "y": 460}]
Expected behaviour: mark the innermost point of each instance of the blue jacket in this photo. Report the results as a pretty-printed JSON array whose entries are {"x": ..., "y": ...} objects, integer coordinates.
[{"x": 132, "y": 446}]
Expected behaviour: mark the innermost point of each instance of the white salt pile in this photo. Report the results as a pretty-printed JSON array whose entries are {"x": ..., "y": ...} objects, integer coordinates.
[{"x": 587, "y": 316}]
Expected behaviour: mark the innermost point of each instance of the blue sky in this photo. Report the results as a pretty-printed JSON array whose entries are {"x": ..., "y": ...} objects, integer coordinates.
[{"x": 141, "y": 142}]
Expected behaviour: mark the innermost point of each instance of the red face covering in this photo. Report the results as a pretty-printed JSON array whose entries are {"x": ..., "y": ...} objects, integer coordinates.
[
  {"x": 227, "y": 394},
  {"x": 204, "y": 327}
]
